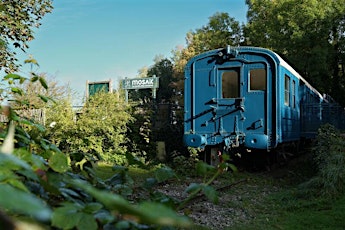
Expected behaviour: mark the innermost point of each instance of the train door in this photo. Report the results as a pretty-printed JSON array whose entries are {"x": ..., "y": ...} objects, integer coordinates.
[
  {"x": 230, "y": 100},
  {"x": 256, "y": 92}
]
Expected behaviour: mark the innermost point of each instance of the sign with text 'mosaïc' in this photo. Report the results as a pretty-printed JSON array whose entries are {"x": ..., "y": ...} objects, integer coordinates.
[{"x": 141, "y": 83}]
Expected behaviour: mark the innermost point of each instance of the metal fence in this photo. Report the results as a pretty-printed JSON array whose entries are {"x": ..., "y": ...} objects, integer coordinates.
[{"x": 313, "y": 115}]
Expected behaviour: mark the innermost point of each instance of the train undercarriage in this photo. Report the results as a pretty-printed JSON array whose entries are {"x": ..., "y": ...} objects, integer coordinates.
[{"x": 260, "y": 159}]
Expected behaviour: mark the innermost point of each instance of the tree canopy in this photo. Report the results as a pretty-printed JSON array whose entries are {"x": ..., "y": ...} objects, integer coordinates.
[
  {"x": 18, "y": 20},
  {"x": 221, "y": 30},
  {"x": 309, "y": 34}
]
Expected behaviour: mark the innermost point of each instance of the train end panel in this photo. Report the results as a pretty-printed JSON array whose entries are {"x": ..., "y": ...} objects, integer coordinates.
[{"x": 228, "y": 99}]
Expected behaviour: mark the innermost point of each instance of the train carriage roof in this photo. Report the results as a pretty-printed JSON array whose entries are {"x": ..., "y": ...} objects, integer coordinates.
[{"x": 241, "y": 49}]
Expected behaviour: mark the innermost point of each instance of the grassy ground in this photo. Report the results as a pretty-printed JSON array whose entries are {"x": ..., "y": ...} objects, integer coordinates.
[
  {"x": 105, "y": 171},
  {"x": 272, "y": 199},
  {"x": 282, "y": 210},
  {"x": 287, "y": 206}
]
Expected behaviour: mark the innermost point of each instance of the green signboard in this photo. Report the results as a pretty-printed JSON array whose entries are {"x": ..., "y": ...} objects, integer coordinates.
[
  {"x": 141, "y": 83},
  {"x": 100, "y": 86}
]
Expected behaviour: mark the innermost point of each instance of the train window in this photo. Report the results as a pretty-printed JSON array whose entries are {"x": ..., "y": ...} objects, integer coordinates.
[
  {"x": 287, "y": 91},
  {"x": 230, "y": 84},
  {"x": 293, "y": 91},
  {"x": 257, "y": 79}
]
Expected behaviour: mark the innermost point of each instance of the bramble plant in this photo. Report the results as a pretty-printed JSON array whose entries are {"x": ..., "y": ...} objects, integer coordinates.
[{"x": 43, "y": 188}]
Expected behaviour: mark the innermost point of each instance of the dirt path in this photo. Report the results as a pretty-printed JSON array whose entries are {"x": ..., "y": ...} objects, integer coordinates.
[{"x": 242, "y": 201}]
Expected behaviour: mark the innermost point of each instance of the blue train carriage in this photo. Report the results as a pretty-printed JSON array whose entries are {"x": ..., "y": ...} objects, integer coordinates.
[{"x": 246, "y": 97}]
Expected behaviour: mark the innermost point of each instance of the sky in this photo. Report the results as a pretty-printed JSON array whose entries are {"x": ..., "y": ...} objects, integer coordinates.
[{"x": 99, "y": 40}]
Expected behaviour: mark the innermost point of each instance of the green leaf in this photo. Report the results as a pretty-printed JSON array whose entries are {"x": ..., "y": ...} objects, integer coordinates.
[
  {"x": 203, "y": 168},
  {"x": 31, "y": 61},
  {"x": 122, "y": 224},
  {"x": 17, "y": 91},
  {"x": 210, "y": 193},
  {"x": 193, "y": 187},
  {"x": 43, "y": 82},
  {"x": 20, "y": 202},
  {"x": 92, "y": 207},
  {"x": 119, "y": 168},
  {"x": 66, "y": 192},
  {"x": 111, "y": 201},
  {"x": 59, "y": 162},
  {"x": 9, "y": 177},
  {"x": 149, "y": 213},
  {"x": 40, "y": 128},
  {"x": 22, "y": 80},
  {"x": 17, "y": 184},
  {"x": 164, "y": 174},
  {"x": 104, "y": 216},
  {"x": 232, "y": 167},
  {"x": 66, "y": 218},
  {"x": 87, "y": 222},
  {"x": 12, "y": 76},
  {"x": 71, "y": 216},
  {"x": 12, "y": 162},
  {"x": 43, "y": 98},
  {"x": 157, "y": 213},
  {"x": 34, "y": 78},
  {"x": 150, "y": 183}
]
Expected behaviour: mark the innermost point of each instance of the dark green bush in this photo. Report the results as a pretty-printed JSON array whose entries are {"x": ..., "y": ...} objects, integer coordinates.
[{"x": 329, "y": 161}]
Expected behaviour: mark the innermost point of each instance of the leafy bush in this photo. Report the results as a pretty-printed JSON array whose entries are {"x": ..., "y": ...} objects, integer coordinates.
[
  {"x": 185, "y": 165},
  {"x": 48, "y": 193},
  {"x": 329, "y": 161},
  {"x": 139, "y": 133},
  {"x": 98, "y": 131}
]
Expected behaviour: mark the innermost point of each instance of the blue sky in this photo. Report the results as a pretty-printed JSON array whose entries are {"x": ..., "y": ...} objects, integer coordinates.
[{"x": 98, "y": 40}]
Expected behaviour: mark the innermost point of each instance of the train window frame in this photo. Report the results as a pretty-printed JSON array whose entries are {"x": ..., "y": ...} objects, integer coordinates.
[
  {"x": 287, "y": 80},
  {"x": 260, "y": 85},
  {"x": 232, "y": 74}
]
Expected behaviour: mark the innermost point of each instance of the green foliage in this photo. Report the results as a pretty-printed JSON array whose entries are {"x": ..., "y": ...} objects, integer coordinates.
[
  {"x": 164, "y": 174},
  {"x": 164, "y": 70},
  {"x": 308, "y": 34},
  {"x": 209, "y": 174},
  {"x": 186, "y": 165},
  {"x": 76, "y": 215},
  {"x": 329, "y": 160},
  {"x": 220, "y": 31},
  {"x": 37, "y": 95},
  {"x": 149, "y": 212},
  {"x": 140, "y": 141},
  {"x": 18, "y": 19},
  {"x": 42, "y": 188},
  {"x": 98, "y": 131},
  {"x": 52, "y": 195}
]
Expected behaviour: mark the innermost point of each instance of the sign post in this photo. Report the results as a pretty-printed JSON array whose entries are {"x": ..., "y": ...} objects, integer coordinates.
[{"x": 141, "y": 83}]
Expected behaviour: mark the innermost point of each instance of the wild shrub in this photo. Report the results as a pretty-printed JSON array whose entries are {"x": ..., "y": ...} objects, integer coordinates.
[
  {"x": 185, "y": 165},
  {"x": 99, "y": 129},
  {"x": 329, "y": 162},
  {"x": 140, "y": 140}
]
